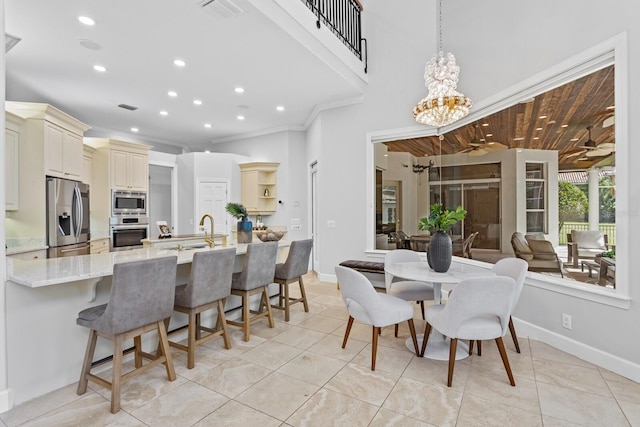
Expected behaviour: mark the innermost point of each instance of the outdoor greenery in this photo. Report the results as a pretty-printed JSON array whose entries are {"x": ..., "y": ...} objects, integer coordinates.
[
  {"x": 441, "y": 218},
  {"x": 607, "y": 193},
  {"x": 237, "y": 210},
  {"x": 572, "y": 202}
]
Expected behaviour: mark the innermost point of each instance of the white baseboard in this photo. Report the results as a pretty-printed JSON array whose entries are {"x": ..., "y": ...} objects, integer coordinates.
[
  {"x": 593, "y": 355},
  {"x": 6, "y": 400}
]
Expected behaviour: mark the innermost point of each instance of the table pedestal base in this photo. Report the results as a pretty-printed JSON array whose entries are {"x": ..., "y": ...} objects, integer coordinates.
[{"x": 438, "y": 347}]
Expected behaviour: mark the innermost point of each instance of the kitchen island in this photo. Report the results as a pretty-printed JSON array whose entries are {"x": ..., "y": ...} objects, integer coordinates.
[{"x": 45, "y": 347}]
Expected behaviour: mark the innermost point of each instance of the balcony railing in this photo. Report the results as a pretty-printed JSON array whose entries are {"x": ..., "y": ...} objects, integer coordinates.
[
  {"x": 608, "y": 229},
  {"x": 343, "y": 18}
]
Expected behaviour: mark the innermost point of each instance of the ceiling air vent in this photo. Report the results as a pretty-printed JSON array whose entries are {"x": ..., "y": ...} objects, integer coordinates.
[
  {"x": 128, "y": 107},
  {"x": 223, "y": 10}
]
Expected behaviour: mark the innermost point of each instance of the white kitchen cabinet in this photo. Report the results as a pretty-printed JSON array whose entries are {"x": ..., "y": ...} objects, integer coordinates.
[
  {"x": 129, "y": 170},
  {"x": 87, "y": 160},
  {"x": 31, "y": 255},
  {"x": 259, "y": 185},
  {"x": 116, "y": 165},
  {"x": 99, "y": 246},
  {"x": 47, "y": 140},
  {"x": 12, "y": 161},
  {"x": 63, "y": 152}
]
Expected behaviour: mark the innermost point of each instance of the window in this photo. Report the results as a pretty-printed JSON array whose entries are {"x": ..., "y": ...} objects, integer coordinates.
[{"x": 536, "y": 184}]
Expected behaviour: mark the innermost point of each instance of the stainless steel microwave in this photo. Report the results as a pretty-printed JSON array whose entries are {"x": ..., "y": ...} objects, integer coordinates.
[{"x": 128, "y": 203}]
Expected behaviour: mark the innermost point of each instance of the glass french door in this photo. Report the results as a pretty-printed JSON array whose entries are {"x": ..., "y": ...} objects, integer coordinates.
[{"x": 482, "y": 202}]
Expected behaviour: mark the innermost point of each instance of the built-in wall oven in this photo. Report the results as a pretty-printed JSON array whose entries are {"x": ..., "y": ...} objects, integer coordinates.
[{"x": 127, "y": 232}]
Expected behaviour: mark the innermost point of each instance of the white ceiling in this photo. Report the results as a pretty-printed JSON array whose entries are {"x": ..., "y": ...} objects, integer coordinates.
[{"x": 139, "y": 40}]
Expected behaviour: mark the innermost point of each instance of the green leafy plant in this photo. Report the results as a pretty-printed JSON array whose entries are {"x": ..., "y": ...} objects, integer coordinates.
[
  {"x": 441, "y": 218},
  {"x": 237, "y": 210},
  {"x": 608, "y": 254}
]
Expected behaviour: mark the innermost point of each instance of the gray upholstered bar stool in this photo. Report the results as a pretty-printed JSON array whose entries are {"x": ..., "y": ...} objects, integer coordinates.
[
  {"x": 141, "y": 298},
  {"x": 292, "y": 270},
  {"x": 254, "y": 278},
  {"x": 208, "y": 287}
]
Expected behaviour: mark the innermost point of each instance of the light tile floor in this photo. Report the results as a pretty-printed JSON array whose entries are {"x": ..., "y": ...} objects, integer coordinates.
[{"x": 297, "y": 374}]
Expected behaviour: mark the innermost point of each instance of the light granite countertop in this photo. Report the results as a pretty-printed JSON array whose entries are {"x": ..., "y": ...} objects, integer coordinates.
[{"x": 54, "y": 271}]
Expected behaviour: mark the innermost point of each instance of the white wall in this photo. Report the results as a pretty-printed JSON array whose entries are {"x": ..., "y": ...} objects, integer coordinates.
[
  {"x": 289, "y": 149},
  {"x": 196, "y": 166}
]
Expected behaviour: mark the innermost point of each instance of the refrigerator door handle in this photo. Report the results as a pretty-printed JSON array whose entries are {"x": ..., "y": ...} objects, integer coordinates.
[{"x": 78, "y": 215}]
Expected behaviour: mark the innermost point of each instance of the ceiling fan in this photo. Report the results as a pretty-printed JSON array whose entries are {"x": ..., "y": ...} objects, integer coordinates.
[
  {"x": 479, "y": 148},
  {"x": 591, "y": 149}
]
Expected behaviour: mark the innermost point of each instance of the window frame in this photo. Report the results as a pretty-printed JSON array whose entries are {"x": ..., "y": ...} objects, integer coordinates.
[{"x": 612, "y": 51}]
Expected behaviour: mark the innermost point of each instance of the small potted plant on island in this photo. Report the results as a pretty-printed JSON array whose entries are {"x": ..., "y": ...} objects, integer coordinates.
[
  {"x": 244, "y": 227},
  {"x": 439, "y": 221}
]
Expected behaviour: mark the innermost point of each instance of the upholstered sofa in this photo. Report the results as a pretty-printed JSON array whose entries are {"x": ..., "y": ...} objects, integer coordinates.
[
  {"x": 585, "y": 244},
  {"x": 539, "y": 254}
]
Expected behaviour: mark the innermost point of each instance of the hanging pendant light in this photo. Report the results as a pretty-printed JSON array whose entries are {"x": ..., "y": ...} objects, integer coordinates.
[{"x": 443, "y": 104}]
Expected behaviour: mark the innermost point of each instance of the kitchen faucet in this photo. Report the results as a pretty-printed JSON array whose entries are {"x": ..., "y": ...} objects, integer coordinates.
[{"x": 208, "y": 240}]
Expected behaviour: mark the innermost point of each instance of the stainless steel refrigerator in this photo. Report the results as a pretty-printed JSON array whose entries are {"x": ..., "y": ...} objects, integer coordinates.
[{"x": 67, "y": 218}]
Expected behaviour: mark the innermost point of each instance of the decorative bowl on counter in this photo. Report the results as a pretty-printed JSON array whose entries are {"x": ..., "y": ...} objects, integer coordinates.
[{"x": 269, "y": 235}]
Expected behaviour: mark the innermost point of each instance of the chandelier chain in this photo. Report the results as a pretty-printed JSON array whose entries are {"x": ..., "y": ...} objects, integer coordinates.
[{"x": 440, "y": 26}]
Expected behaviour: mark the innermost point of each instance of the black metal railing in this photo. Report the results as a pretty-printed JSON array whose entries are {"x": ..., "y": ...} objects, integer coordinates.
[{"x": 343, "y": 18}]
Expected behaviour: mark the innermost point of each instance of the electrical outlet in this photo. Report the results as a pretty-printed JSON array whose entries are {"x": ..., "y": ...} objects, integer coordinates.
[
  {"x": 331, "y": 223},
  {"x": 566, "y": 321},
  {"x": 296, "y": 227}
]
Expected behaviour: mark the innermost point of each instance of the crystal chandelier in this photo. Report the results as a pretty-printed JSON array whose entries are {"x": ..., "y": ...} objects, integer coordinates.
[{"x": 443, "y": 104}]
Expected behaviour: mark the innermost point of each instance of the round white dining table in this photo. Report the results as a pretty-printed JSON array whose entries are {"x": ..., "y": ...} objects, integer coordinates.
[{"x": 438, "y": 346}]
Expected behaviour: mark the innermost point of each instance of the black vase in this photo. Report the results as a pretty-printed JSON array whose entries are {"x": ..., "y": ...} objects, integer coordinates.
[
  {"x": 439, "y": 252},
  {"x": 245, "y": 234}
]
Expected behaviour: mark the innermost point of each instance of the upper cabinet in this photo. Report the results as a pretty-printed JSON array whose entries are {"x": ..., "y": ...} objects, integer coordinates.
[
  {"x": 259, "y": 187},
  {"x": 54, "y": 135},
  {"x": 12, "y": 161},
  {"x": 126, "y": 164}
]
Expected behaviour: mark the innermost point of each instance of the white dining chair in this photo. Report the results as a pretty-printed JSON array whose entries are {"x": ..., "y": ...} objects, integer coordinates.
[
  {"x": 478, "y": 309},
  {"x": 408, "y": 290},
  {"x": 372, "y": 308}
]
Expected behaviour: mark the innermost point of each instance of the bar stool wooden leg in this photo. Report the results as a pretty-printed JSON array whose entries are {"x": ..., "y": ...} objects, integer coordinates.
[
  {"x": 223, "y": 321},
  {"x": 137, "y": 342},
  {"x": 304, "y": 295},
  {"x": 191, "y": 340},
  {"x": 374, "y": 347},
  {"x": 116, "y": 373},
  {"x": 162, "y": 334},
  {"x": 286, "y": 301},
  {"x": 245, "y": 315},
  {"x": 88, "y": 359},
  {"x": 265, "y": 293},
  {"x": 347, "y": 331},
  {"x": 198, "y": 327}
]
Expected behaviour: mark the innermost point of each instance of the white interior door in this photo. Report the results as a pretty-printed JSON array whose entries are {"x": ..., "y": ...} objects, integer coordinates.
[{"x": 212, "y": 199}]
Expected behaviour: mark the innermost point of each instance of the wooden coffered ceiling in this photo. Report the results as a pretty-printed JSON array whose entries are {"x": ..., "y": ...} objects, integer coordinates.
[{"x": 555, "y": 120}]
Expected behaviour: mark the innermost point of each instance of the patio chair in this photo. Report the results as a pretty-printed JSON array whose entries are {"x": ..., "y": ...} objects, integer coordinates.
[
  {"x": 585, "y": 244},
  {"x": 539, "y": 254}
]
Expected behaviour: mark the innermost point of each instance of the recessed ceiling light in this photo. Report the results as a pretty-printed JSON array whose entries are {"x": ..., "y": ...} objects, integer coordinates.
[
  {"x": 574, "y": 139},
  {"x": 172, "y": 93},
  {"x": 482, "y": 139},
  {"x": 240, "y": 117},
  {"x": 239, "y": 90},
  {"x": 164, "y": 113},
  {"x": 542, "y": 117},
  {"x": 197, "y": 102},
  {"x": 518, "y": 139},
  {"x": 536, "y": 137},
  {"x": 207, "y": 151},
  {"x": 611, "y": 107},
  {"x": 86, "y": 20},
  {"x": 485, "y": 124},
  {"x": 89, "y": 44},
  {"x": 564, "y": 126},
  {"x": 489, "y": 134},
  {"x": 386, "y": 155},
  {"x": 551, "y": 122},
  {"x": 207, "y": 125},
  {"x": 538, "y": 128},
  {"x": 280, "y": 108},
  {"x": 179, "y": 62},
  {"x": 100, "y": 68},
  {"x": 134, "y": 129}
]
